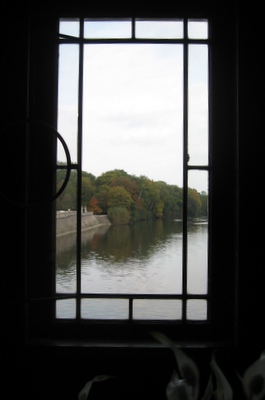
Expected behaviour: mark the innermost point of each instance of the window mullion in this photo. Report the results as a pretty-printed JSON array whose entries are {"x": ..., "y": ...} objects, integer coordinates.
[
  {"x": 133, "y": 28},
  {"x": 185, "y": 170},
  {"x": 79, "y": 169}
]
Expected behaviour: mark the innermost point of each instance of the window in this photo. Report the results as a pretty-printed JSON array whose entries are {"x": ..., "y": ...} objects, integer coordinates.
[
  {"x": 120, "y": 76},
  {"x": 71, "y": 308}
]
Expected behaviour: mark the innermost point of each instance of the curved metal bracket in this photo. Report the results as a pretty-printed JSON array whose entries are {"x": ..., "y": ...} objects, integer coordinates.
[{"x": 68, "y": 167}]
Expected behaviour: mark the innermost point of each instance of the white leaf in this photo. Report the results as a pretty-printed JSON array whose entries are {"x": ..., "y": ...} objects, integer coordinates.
[
  {"x": 177, "y": 388},
  {"x": 86, "y": 389},
  {"x": 84, "y": 392},
  {"x": 187, "y": 367},
  {"x": 224, "y": 390},
  {"x": 254, "y": 379},
  {"x": 209, "y": 390}
]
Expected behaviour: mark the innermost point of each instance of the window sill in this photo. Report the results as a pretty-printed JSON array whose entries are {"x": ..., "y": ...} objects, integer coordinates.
[{"x": 150, "y": 344}]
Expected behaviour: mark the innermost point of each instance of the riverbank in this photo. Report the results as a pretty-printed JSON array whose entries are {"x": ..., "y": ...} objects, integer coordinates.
[{"x": 66, "y": 222}]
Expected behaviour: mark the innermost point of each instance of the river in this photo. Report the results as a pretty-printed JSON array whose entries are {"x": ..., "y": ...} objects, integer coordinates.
[{"x": 145, "y": 258}]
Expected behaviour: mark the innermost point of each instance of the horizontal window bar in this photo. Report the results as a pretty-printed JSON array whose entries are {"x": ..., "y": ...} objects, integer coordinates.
[
  {"x": 199, "y": 167},
  {"x": 64, "y": 166},
  {"x": 70, "y": 40},
  {"x": 61, "y": 296},
  {"x": 143, "y": 296}
]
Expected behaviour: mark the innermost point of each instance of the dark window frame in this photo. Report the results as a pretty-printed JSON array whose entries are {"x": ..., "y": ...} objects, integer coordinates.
[{"x": 45, "y": 327}]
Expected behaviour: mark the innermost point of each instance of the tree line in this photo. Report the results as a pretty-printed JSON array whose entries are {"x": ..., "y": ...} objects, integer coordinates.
[{"x": 127, "y": 198}]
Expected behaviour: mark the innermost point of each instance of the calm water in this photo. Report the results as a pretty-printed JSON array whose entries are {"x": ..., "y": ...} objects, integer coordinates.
[{"x": 145, "y": 258}]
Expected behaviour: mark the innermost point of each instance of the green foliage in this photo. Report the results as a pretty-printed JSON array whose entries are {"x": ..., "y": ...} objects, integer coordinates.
[
  {"x": 158, "y": 208},
  {"x": 119, "y": 215},
  {"x": 142, "y": 197},
  {"x": 87, "y": 191},
  {"x": 204, "y": 204},
  {"x": 102, "y": 197},
  {"x": 119, "y": 197},
  {"x": 88, "y": 175},
  {"x": 107, "y": 177},
  {"x": 194, "y": 203},
  {"x": 67, "y": 200}
]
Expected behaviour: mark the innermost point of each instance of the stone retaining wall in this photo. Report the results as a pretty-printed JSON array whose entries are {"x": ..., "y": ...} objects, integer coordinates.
[{"x": 66, "y": 222}]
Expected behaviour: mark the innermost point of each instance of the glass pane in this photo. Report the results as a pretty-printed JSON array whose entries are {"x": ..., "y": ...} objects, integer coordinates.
[
  {"x": 159, "y": 29},
  {"x": 66, "y": 308},
  {"x": 104, "y": 308},
  {"x": 157, "y": 309},
  {"x": 198, "y": 29},
  {"x": 69, "y": 27},
  {"x": 107, "y": 29},
  {"x": 66, "y": 234},
  {"x": 68, "y": 99},
  {"x": 197, "y": 252},
  {"x": 198, "y": 109},
  {"x": 197, "y": 310}
]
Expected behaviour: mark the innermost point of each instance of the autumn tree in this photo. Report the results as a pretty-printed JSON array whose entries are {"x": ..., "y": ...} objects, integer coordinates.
[
  {"x": 102, "y": 197},
  {"x": 87, "y": 191},
  {"x": 150, "y": 193},
  {"x": 173, "y": 202},
  {"x": 88, "y": 175},
  {"x": 194, "y": 203},
  {"x": 107, "y": 177},
  {"x": 204, "y": 204},
  {"x": 158, "y": 208},
  {"x": 119, "y": 197},
  {"x": 93, "y": 206},
  {"x": 131, "y": 187},
  {"x": 142, "y": 197}
]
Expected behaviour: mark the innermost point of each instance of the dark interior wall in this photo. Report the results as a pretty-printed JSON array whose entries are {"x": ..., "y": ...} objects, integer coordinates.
[
  {"x": 13, "y": 108},
  {"x": 251, "y": 171},
  {"x": 44, "y": 372}
]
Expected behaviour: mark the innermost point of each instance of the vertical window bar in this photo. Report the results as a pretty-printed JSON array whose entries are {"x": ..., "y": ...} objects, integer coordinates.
[
  {"x": 27, "y": 276},
  {"x": 130, "y": 309},
  {"x": 185, "y": 172},
  {"x": 209, "y": 169},
  {"x": 79, "y": 169},
  {"x": 133, "y": 28}
]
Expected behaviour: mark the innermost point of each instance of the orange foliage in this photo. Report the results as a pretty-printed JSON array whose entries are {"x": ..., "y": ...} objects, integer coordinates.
[{"x": 93, "y": 206}]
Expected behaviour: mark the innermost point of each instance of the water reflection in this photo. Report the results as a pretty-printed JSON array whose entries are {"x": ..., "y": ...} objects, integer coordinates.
[
  {"x": 143, "y": 258},
  {"x": 134, "y": 259}
]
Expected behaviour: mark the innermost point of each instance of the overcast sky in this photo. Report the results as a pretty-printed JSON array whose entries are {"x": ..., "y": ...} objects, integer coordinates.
[{"x": 133, "y": 109}]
